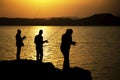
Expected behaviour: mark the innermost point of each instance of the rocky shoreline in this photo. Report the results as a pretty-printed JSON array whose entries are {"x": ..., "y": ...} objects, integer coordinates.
[{"x": 30, "y": 69}]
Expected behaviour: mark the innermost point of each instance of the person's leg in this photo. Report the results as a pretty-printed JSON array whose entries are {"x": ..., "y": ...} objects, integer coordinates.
[
  {"x": 37, "y": 54},
  {"x": 18, "y": 52},
  {"x": 66, "y": 64},
  {"x": 41, "y": 55}
]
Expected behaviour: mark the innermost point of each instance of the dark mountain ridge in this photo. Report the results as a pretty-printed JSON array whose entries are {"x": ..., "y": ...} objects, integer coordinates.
[{"x": 105, "y": 19}]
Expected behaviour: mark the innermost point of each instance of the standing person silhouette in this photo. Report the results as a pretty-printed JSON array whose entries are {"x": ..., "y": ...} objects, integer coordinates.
[
  {"x": 39, "y": 45},
  {"x": 65, "y": 47},
  {"x": 19, "y": 43}
]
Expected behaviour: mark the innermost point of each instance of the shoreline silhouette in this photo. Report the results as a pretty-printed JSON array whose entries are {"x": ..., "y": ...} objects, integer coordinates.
[
  {"x": 28, "y": 69},
  {"x": 105, "y": 19}
]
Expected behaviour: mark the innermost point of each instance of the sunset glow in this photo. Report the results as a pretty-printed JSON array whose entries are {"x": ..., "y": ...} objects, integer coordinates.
[{"x": 57, "y": 8}]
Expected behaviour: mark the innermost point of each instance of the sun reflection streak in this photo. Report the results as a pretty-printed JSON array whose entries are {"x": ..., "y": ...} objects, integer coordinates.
[
  {"x": 51, "y": 49},
  {"x": 47, "y": 47}
]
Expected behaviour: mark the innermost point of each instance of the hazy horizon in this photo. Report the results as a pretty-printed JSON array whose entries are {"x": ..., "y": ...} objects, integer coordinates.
[
  {"x": 57, "y": 8},
  {"x": 71, "y": 17}
]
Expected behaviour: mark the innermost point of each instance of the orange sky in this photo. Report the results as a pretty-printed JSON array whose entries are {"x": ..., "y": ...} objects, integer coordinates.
[{"x": 57, "y": 8}]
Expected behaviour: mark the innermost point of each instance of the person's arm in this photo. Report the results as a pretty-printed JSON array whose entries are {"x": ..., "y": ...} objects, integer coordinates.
[
  {"x": 45, "y": 41},
  {"x": 73, "y": 42},
  {"x": 23, "y": 37}
]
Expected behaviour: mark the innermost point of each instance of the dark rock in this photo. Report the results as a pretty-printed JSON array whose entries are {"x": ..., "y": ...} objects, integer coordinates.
[{"x": 29, "y": 69}]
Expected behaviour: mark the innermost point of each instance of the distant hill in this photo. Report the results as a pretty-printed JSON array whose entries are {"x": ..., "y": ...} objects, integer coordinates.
[
  {"x": 102, "y": 20},
  {"x": 105, "y": 19}
]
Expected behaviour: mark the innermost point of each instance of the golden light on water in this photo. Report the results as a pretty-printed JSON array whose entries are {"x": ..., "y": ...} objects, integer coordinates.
[
  {"x": 96, "y": 49},
  {"x": 51, "y": 49},
  {"x": 37, "y": 28}
]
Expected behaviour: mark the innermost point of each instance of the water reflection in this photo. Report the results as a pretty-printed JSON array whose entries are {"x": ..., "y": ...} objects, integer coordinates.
[
  {"x": 51, "y": 50},
  {"x": 97, "y": 48}
]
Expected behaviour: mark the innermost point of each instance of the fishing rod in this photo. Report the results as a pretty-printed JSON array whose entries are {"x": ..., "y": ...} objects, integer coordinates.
[
  {"x": 50, "y": 35},
  {"x": 33, "y": 17},
  {"x": 29, "y": 27},
  {"x": 54, "y": 33}
]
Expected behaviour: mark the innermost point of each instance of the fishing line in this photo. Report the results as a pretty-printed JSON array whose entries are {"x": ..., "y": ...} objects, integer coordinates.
[
  {"x": 50, "y": 37},
  {"x": 33, "y": 18},
  {"x": 29, "y": 27},
  {"x": 54, "y": 33}
]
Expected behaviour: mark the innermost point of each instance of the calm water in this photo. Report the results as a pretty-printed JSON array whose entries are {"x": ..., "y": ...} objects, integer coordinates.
[{"x": 97, "y": 48}]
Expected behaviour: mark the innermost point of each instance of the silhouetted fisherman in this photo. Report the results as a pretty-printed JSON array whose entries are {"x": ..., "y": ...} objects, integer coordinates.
[
  {"x": 65, "y": 47},
  {"x": 39, "y": 45},
  {"x": 19, "y": 43}
]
